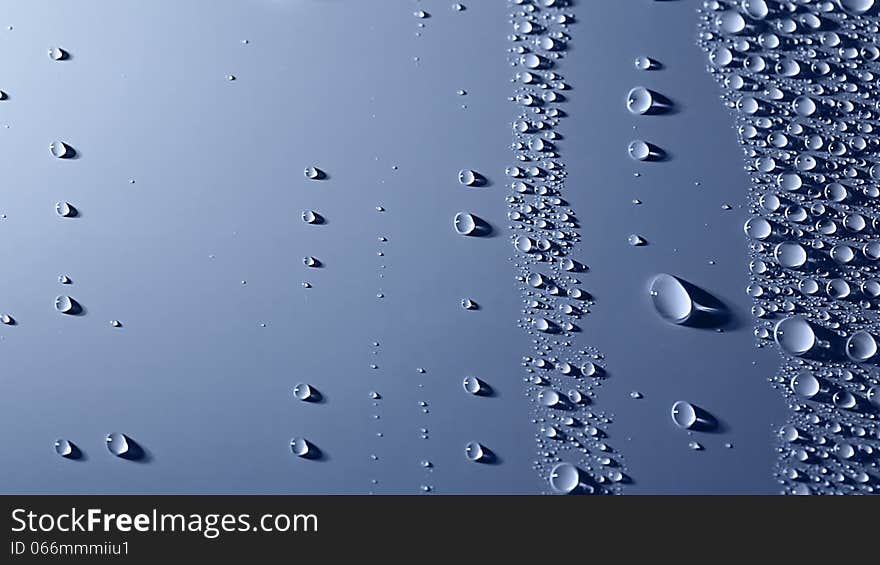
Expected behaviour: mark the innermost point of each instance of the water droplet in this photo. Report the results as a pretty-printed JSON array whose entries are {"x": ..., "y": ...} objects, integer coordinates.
[
  {"x": 756, "y": 9},
  {"x": 671, "y": 299},
  {"x": 639, "y": 150},
  {"x": 643, "y": 63},
  {"x": 684, "y": 414},
  {"x": 474, "y": 451},
  {"x": 636, "y": 240},
  {"x": 856, "y": 7},
  {"x": 310, "y": 217},
  {"x": 65, "y": 304},
  {"x": 794, "y": 335},
  {"x": 117, "y": 444},
  {"x": 639, "y": 100},
  {"x": 790, "y": 254},
  {"x": 804, "y": 384},
  {"x": 564, "y": 478},
  {"x": 473, "y": 385},
  {"x": 57, "y": 54},
  {"x": 313, "y": 173},
  {"x": 302, "y": 392},
  {"x": 861, "y": 346},
  {"x": 60, "y": 150},
  {"x": 464, "y": 223},
  {"x": 7, "y": 319},
  {"x": 65, "y": 209},
  {"x": 549, "y": 397},
  {"x": 300, "y": 447},
  {"x": 469, "y": 178},
  {"x": 64, "y": 448}
]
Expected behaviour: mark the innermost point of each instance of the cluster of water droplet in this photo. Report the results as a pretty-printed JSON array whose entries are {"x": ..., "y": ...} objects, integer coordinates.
[
  {"x": 573, "y": 455},
  {"x": 801, "y": 79}
]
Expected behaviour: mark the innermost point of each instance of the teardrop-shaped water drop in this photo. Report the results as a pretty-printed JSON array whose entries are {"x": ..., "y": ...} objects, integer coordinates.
[
  {"x": 64, "y": 448},
  {"x": 313, "y": 173},
  {"x": 300, "y": 447},
  {"x": 65, "y": 304},
  {"x": 59, "y": 149},
  {"x": 473, "y": 385},
  {"x": 464, "y": 223},
  {"x": 117, "y": 444},
  {"x": 467, "y": 177},
  {"x": 639, "y": 100},
  {"x": 65, "y": 209},
  {"x": 684, "y": 414},
  {"x": 474, "y": 451},
  {"x": 671, "y": 299},
  {"x": 302, "y": 391}
]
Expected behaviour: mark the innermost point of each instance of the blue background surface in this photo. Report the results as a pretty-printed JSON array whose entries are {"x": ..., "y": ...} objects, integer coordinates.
[{"x": 218, "y": 192}]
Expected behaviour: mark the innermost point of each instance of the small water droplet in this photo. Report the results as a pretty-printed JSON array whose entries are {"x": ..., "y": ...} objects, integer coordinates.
[
  {"x": 65, "y": 304},
  {"x": 60, "y": 150},
  {"x": 300, "y": 447},
  {"x": 65, "y": 209},
  {"x": 64, "y": 448},
  {"x": 474, "y": 451},
  {"x": 636, "y": 240},
  {"x": 302, "y": 391},
  {"x": 313, "y": 173}
]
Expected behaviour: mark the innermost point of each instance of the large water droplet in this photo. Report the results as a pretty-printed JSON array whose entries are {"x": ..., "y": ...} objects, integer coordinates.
[
  {"x": 756, "y": 8},
  {"x": 64, "y": 448},
  {"x": 474, "y": 451},
  {"x": 861, "y": 346},
  {"x": 473, "y": 385},
  {"x": 464, "y": 223},
  {"x": 65, "y": 304},
  {"x": 639, "y": 100},
  {"x": 639, "y": 150},
  {"x": 790, "y": 254},
  {"x": 564, "y": 478},
  {"x": 794, "y": 335},
  {"x": 549, "y": 397},
  {"x": 671, "y": 299},
  {"x": 117, "y": 444},
  {"x": 300, "y": 447},
  {"x": 805, "y": 384},
  {"x": 684, "y": 414},
  {"x": 856, "y": 7}
]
